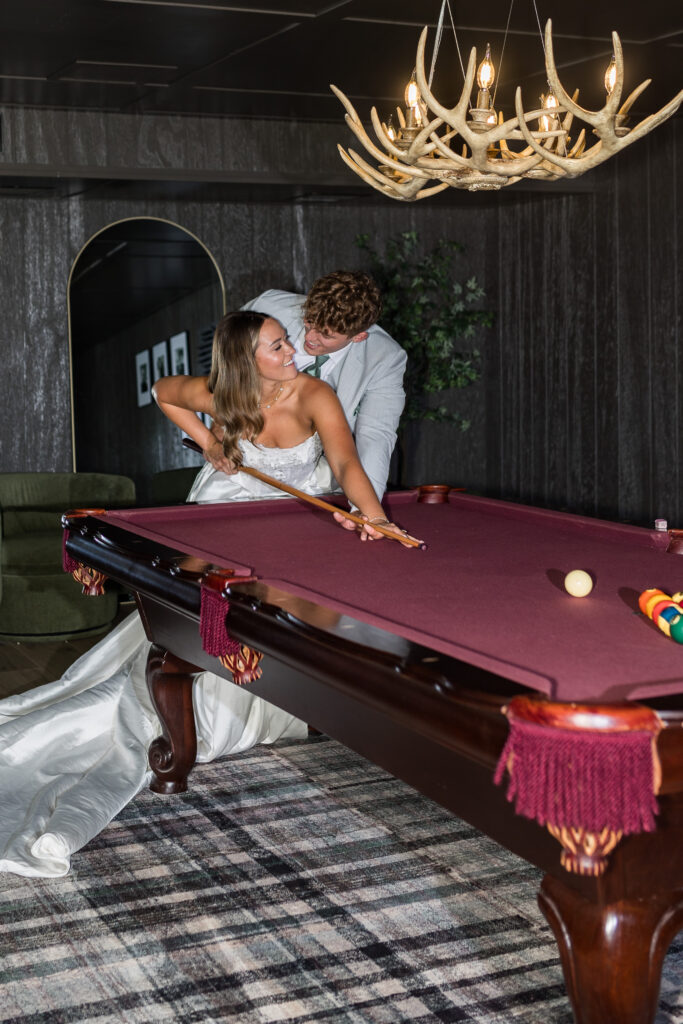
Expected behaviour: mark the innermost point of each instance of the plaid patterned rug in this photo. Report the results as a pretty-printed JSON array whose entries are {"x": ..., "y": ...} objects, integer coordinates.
[{"x": 293, "y": 883}]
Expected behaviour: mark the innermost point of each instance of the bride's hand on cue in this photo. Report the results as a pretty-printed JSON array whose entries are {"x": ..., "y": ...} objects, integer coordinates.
[
  {"x": 367, "y": 532},
  {"x": 344, "y": 522},
  {"x": 216, "y": 456}
]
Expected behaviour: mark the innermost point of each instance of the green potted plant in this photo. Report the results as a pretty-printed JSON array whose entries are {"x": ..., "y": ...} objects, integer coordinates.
[{"x": 430, "y": 313}]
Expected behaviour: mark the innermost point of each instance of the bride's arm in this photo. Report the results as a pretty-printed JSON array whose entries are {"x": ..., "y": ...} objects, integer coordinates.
[
  {"x": 181, "y": 398},
  {"x": 340, "y": 450}
]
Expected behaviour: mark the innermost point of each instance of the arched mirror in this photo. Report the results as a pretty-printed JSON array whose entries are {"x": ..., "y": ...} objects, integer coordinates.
[{"x": 144, "y": 296}]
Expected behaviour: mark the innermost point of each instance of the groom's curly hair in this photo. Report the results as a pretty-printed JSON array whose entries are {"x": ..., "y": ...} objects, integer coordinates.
[{"x": 345, "y": 301}]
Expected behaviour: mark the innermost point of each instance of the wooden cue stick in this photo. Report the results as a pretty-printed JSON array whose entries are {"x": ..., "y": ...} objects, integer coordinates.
[{"x": 413, "y": 542}]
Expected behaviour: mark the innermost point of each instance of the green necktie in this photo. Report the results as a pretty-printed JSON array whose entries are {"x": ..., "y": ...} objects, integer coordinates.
[{"x": 316, "y": 366}]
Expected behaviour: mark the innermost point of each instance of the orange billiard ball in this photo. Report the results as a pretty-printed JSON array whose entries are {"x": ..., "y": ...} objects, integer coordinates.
[{"x": 649, "y": 598}]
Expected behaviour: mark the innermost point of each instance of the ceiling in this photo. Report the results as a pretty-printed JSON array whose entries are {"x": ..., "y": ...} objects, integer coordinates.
[{"x": 276, "y": 58}]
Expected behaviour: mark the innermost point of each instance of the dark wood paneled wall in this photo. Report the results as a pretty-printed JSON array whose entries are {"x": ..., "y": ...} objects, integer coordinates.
[
  {"x": 580, "y": 404},
  {"x": 589, "y": 336}
]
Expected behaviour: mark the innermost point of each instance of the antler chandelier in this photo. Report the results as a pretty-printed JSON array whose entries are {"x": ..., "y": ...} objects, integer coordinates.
[{"x": 475, "y": 148}]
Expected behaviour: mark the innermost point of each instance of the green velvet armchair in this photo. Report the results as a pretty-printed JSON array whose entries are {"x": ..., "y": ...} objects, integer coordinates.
[
  {"x": 38, "y": 600},
  {"x": 172, "y": 486}
]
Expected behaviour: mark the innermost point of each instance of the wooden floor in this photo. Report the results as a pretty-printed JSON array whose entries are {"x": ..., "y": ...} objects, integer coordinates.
[{"x": 26, "y": 665}]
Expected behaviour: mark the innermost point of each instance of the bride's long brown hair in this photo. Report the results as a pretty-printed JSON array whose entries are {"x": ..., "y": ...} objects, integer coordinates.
[{"x": 235, "y": 381}]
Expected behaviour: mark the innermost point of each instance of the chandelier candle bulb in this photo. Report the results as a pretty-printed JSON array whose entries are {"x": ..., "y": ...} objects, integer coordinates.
[
  {"x": 412, "y": 99},
  {"x": 486, "y": 72},
  {"x": 548, "y": 122},
  {"x": 483, "y": 115},
  {"x": 611, "y": 76},
  {"x": 411, "y": 94}
]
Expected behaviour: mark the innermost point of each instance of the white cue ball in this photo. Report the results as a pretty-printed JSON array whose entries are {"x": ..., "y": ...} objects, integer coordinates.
[{"x": 578, "y": 583}]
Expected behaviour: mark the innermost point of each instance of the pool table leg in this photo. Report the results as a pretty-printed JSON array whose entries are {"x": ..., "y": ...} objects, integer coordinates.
[
  {"x": 172, "y": 755},
  {"x": 612, "y": 952}
]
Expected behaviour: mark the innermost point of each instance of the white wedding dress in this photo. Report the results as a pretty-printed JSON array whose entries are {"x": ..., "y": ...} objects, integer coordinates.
[{"x": 74, "y": 752}]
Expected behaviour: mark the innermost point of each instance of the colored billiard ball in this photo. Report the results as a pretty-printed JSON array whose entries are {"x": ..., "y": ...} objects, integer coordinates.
[
  {"x": 656, "y": 603},
  {"x": 666, "y": 616},
  {"x": 578, "y": 583},
  {"x": 657, "y": 609},
  {"x": 676, "y": 629},
  {"x": 654, "y": 595}
]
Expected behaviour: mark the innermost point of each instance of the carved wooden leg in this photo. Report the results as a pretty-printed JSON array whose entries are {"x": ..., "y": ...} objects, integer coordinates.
[
  {"x": 172, "y": 755},
  {"x": 611, "y": 953}
]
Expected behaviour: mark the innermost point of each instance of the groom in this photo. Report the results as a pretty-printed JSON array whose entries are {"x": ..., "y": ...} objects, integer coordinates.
[{"x": 336, "y": 337}]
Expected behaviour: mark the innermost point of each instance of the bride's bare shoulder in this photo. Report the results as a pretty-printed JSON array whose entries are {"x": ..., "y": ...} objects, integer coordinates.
[{"x": 312, "y": 387}]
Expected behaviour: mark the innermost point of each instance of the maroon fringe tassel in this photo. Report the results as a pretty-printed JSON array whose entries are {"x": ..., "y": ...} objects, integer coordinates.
[
  {"x": 216, "y": 640},
  {"x": 580, "y": 779}
]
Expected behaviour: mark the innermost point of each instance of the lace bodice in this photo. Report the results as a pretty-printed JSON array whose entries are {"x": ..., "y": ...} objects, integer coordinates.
[
  {"x": 303, "y": 466},
  {"x": 292, "y": 466}
]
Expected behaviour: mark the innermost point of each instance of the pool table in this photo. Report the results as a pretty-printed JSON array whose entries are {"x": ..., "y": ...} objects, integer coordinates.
[{"x": 448, "y": 666}]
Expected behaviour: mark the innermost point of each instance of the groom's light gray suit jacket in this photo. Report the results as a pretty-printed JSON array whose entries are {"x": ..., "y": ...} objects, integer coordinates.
[{"x": 368, "y": 379}]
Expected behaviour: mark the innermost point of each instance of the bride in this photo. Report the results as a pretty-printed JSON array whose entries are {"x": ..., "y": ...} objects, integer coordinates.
[{"x": 73, "y": 753}]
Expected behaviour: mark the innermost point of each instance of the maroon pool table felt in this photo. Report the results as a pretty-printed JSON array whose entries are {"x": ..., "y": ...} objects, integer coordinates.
[{"x": 488, "y": 589}]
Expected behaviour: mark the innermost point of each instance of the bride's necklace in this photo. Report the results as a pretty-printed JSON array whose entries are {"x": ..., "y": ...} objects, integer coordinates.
[{"x": 279, "y": 391}]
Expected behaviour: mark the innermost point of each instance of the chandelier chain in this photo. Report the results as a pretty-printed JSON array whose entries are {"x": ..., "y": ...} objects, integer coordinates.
[
  {"x": 540, "y": 30},
  {"x": 455, "y": 34},
  {"x": 437, "y": 41},
  {"x": 505, "y": 37}
]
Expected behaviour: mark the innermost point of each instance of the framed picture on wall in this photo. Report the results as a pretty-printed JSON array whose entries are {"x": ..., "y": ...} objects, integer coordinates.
[
  {"x": 180, "y": 356},
  {"x": 160, "y": 360},
  {"x": 143, "y": 377}
]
